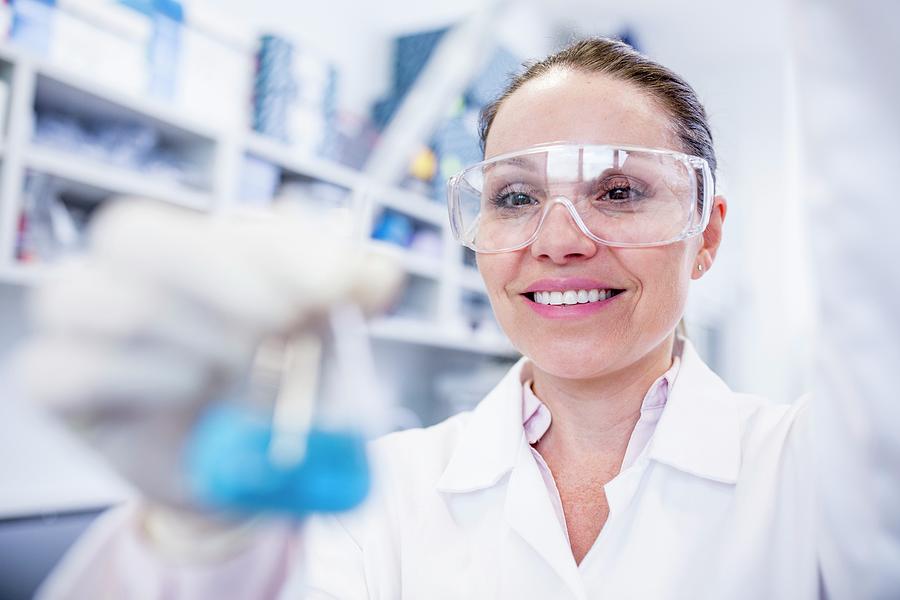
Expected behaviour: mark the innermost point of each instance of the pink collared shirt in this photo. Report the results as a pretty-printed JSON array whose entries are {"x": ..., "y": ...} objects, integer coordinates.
[{"x": 536, "y": 420}]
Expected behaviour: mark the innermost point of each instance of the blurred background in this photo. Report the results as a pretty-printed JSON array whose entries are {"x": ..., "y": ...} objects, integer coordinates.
[{"x": 215, "y": 104}]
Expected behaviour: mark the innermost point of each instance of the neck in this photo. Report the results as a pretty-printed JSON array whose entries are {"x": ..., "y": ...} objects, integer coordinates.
[{"x": 598, "y": 414}]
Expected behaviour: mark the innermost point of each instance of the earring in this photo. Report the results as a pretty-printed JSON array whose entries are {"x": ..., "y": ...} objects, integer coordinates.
[{"x": 700, "y": 268}]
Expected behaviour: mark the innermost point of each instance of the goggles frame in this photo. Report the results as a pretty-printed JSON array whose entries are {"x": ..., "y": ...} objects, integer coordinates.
[{"x": 457, "y": 226}]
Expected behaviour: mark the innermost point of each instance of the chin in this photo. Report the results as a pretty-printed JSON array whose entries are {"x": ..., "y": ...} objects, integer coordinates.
[
  {"x": 572, "y": 371},
  {"x": 576, "y": 359}
]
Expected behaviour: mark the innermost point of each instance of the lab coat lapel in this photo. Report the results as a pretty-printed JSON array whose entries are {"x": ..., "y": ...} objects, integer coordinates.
[
  {"x": 488, "y": 445},
  {"x": 530, "y": 514},
  {"x": 492, "y": 446},
  {"x": 700, "y": 429}
]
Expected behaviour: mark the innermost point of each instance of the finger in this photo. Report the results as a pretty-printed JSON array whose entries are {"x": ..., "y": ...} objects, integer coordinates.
[
  {"x": 64, "y": 373},
  {"x": 86, "y": 300},
  {"x": 257, "y": 272}
]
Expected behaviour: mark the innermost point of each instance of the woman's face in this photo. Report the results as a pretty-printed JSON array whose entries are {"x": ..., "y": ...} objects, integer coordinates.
[{"x": 580, "y": 344}]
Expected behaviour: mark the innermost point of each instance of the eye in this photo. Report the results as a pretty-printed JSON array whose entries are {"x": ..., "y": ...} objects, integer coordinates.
[
  {"x": 515, "y": 199},
  {"x": 510, "y": 198},
  {"x": 619, "y": 190}
]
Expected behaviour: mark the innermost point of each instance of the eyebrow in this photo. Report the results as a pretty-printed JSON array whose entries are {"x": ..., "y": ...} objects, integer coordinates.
[{"x": 516, "y": 161}]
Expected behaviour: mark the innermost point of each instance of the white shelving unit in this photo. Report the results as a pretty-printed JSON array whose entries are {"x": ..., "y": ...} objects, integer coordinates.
[
  {"x": 104, "y": 178},
  {"x": 471, "y": 280},
  {"x": 414, "y": 264},
  {"x": 281, "y": 155},
  {"x": 414, "y": 331},
  {"x": 219, "y": 152}
]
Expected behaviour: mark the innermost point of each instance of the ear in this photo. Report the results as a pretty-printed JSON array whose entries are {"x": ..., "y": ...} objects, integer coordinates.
[{"x": 712, "y": 237}]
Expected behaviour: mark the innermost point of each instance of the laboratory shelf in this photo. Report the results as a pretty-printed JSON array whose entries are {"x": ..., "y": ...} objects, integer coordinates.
[
  {"x": 470, "y": 279},
  {"x": 412, "y": 204},
  {"x": 415, "y": 264},
  {"x": 425, "y": 333},
  {"x": 60, "y": 78},
  {"x": 26, "y": 275},
  {"x": 213, "y": 153},
  {"x": 293, "y": 160},
  {"x": 114, "y": 180},
  {"x": 60, "y": 87}
]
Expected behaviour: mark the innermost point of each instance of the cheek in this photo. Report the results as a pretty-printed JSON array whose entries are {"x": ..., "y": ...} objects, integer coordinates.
[
  {"x": 664, "y": 278},
  {"x": 490, "y": 268},
  {"x": 497, "y": 271}
]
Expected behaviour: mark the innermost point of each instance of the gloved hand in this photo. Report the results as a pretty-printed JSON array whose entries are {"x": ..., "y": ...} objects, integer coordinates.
[{"x": 163, "y": 315}]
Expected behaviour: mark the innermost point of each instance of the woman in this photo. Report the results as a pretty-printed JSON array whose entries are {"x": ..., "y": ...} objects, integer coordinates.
[{"x": 609, "y": 462}]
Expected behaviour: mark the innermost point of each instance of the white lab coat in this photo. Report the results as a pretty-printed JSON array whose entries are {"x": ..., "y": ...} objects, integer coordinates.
[{"x": 718, "y": 505}]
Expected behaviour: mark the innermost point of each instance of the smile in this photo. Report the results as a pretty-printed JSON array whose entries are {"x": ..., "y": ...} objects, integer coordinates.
[{"x": 570, "y": 297}]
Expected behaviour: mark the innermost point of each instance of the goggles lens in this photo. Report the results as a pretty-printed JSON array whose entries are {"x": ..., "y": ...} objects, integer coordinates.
[{"x": 618, "y": 196}]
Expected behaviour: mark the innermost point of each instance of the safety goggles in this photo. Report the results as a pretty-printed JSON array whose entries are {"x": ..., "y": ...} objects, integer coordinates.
[{"x": 621, "y": 196}]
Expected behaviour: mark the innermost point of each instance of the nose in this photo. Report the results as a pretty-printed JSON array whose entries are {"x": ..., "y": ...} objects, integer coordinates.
[{"x": 560, "y": 239}]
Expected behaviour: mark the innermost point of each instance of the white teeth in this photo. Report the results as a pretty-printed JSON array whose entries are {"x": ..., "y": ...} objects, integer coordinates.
[{"x": 568, "y": 297}]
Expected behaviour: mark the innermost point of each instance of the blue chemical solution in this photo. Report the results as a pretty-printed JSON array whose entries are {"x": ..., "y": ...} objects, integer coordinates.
[{"x": 229, "y": 467}]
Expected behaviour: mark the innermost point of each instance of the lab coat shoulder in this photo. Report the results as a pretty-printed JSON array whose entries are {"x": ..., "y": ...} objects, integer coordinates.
[
  {"x": 774, "y": 497},
  {"x": 729, "y": 470},
  {"x": 710, "y": 431},
  {"x": 417, "y": 455},
  {"x": 776, "y": 450},
  {"x": 769, "y": 425}
]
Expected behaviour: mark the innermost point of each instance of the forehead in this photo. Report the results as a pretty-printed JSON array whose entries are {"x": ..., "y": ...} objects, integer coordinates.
[{"x": 565, "y": 105}]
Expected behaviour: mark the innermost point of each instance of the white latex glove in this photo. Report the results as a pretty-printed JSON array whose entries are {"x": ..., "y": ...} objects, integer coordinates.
[{"x": 164, "y": 314}]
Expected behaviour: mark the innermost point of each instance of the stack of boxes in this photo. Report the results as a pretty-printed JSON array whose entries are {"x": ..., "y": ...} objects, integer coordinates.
[
  {"x": 110, "y": 39},
  {"x": 411, "y": 54},
  {"x": 294, "y": 94},
  {"x": 140, "y": 48},
  {"x": 164, "y": 45},
  {"x": 455, "y": 141}
]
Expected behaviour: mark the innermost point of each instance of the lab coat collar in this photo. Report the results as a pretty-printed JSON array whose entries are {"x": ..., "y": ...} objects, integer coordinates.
[
  {"x": 489, "y": 444},
  {"x": 698, "y": 433}
]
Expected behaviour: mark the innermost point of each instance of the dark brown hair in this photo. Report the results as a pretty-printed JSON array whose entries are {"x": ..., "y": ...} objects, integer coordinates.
[{"x": 619, "y": 60}]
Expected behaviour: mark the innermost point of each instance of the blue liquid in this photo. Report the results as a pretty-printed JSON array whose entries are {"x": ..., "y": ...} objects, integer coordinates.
[{"x": 229, "y": 467}]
